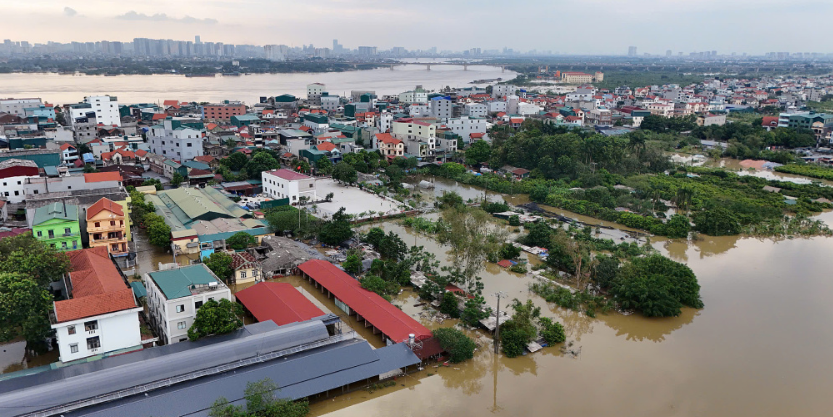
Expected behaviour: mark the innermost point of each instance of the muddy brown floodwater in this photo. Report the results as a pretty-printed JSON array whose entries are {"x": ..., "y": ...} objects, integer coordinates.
[{"x": 759, "y": 347}]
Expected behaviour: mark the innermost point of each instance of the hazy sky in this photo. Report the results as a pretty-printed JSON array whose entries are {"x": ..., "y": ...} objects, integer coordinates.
[{"x": 566, "y": 26}]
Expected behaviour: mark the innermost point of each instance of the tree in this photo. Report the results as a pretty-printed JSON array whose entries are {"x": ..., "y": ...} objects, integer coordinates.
[
  {"x": 344, "y": 172},
  {"x": 324, "y": 166},
  {"x": 514, "y": 221},
  {"x": 259, "y": 163},
  {"x": 215, "y": 317},
  {"x": 283, "y": 218},
  {"x": 90, "y": 168},
  {"x": 677, "y": 226},
  {"x": 235, "y": 162},
  {"x": 353, "y": 264},
  {"x": 26, "y": 307},
  {"x": 159, "y": 233},
  {"x": 605, "y": 271},
  {"x": 260, "y": 402},
  {"x": 552, "y": 332},
  {"x": 459, "y": 346},
  {"x": 509, "y": 251},
  {"x": 336, "y": 230},
  {"x": 154, "y": 182},
  {"x": 518, "y": 331},
  {"x": 449, "y": 306},
  {"x": 656, "y": 286},
  {"x": 378, "y": 285},
  {"x": 473, "y": 311},
  {"x": 374, "y": 237},
  {"x": 478, "y": 152},
  {"x": 450, "y": 199},
  {"x": 27, "y": 256},
  {"x": 472, "y": 240},
  {"x": 177, "y": 179},
  {"x": 717, "y": 221},
  {"x": 241, "y": 240},
  {"x": 220, "y": 264},
  {"x": 538, "y": 234},
  {"x": 394, "y": 174}
]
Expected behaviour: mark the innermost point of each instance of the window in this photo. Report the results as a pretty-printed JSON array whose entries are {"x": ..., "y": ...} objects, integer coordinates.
[
  {"x": 71, "y": 330},
  {"x": 51, "y": 234},
  {"x": 180, "y": 308},
  {"x": 254, "y": 273},
  {"x": 180, "y": 325},
  {"x": 91, "y": 326},
  {"x": 63, "y": 245},
  {"x": 75, "y": 244},
  {"x": 40, "y": 234},
  {"x": 183, "y": 339},
  {"x": 93, "y": 343},
  {"x": 73, "y": 348},
  {"x": 112, "y": 223},
  {"x": 67, "y": 231},
  {"x": 197, "y": 305},
  {"x": 242, "y": 274}
]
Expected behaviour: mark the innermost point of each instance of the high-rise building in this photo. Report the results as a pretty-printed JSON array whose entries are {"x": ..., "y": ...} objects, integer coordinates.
[
  {"x": 631, "y": 51},
  {"x": 668, "y": 53},
  {"x": 197, "y": 39}
]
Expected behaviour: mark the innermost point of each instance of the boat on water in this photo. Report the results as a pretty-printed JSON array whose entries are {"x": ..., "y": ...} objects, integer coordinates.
[{"x": 200, "y": 75}]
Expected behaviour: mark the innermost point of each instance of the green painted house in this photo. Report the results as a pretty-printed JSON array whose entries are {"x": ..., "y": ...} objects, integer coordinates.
[{"x": 57, "y": 225}]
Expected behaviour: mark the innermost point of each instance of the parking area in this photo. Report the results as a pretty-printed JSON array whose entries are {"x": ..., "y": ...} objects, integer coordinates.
[{"x": 363, "y": 204}]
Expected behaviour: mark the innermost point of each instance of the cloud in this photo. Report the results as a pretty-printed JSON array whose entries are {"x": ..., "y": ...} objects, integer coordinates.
[
  {"x": 68, "y": 11},
  {"x": 162, "y": 17}
]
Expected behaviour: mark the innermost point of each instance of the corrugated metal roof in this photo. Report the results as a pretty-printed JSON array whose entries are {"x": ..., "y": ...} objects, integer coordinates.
[
  {"x": 62, "y": 211},
  {"x": 176, "y": 283},
  {"x": 391, "y": 321},
  {"x": 279, "y": 302},
  {"x": 302, "y": 375}
]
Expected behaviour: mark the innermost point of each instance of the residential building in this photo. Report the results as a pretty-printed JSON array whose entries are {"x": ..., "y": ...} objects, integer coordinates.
[
  {"x": 56, "y": 225},
  {"x": 223, "y": 111},
  {"x": 284, "y": 183},
  {"x": 88, "y": 181},
  {"x": 13, "y": 176},
  {"x": 388, "y": 145},
  {"x": 314, "y": 92},
  {"x": 177, "y": 139},
  {"x": 417, "y": 95},
  {"x": 527, "y": 109},
  {"x": 330, "y": 103},
  {"x": 100, "y": 315},
  {"x": 384, "y": 121},
  {"x": 106, "y": 110},
  {"x": 246, "y": 268},
  {"x": 661, "y": 108},
  {"x": 441, "y": 107},
  {"x": 69, "y": 153},
  {"x": 503, "y": 90},
  {"x": 107, "y": 226},
  {"x": 412, "y": 129},
  {"x": 466, "y": 126},
  {"x": 711, "y": 119},
  {"x": 175, "y": 295},
  {"x": 18, "y": 106},
  {"x": 319, "y": 123},
  {"x": 476, "y": 110},
  {"x": 496, "y": 106}
]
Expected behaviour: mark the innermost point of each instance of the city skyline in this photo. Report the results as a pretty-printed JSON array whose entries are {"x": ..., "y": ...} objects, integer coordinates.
[{"x": 440, "y": 24}]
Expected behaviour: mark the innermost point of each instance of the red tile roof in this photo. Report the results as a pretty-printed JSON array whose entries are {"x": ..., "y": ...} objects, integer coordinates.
[
  {"x": 305, "y": 128},
  {"x": 211, "y": 126},
  {"x": 516, "y": 120},
  {"x": 476, "y": 135},
  {"x": 279, "y": 302},
  {"x": 326, "y": 146},
  {"x": 770, "y": 121},
  {"x": 159, "y": 116},
  {"x": 505, "y": 263},
  {"x": 204, "y": 158},
  {"x": 102, "y": 176},
  {"x": 105, "y": 204},
  {"x": 289, "y": 175},
  {"x": 97, "y": 287},
  {"x": 239, "y": 259},
  {"x": 66, "y": 146},
  {"x": 391, "y": 321},
  {"x": 387, "y": 138}
]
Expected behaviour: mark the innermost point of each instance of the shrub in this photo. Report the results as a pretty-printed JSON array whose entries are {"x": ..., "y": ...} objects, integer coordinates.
[{"x": 459, "y": 346}]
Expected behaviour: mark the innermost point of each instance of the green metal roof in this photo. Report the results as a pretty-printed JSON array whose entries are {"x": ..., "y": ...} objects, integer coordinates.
[
  {"x": 177, "y": 283},
  {"x": 60, "y": 211},
  {"x": 138, "y": 289}
]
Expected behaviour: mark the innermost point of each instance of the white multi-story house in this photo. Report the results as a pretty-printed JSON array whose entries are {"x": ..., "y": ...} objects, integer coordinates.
[
  {"x": 660, "y": 108},
  {"x": 330, "y": 103},
  {"x": 465, "y": 126},
  {"x": 527, "y": 109},
  {"x": 384, "y": 121},
  {"x": 418, "y": 95},
  {"x": 13, "y": 176},
  {"x": 496, "y": 106},
  {"x": 441, "y": 107},
  {"x": 419, "y": 110},
  {"x": 175, "y": 295},
  {"x": 176, "y": 139},
  {"x": 410, "y": 129},
  {"x": 319, "y": 123},
  {"x": 476, "y": 110},
  {"x": 503, "y": 90},
  {"x": 314, "y": 92},
  {"x": 100, "y": 314},
  {"x": 284, "y": 183},
  {"x": 69, "y": 153},
  {"x": 106, "y": 109},
  {"x": 18, "y": 106}
]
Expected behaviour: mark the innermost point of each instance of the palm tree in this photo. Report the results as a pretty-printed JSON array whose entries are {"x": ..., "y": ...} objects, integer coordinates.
[{"x": 683, "y": 198}]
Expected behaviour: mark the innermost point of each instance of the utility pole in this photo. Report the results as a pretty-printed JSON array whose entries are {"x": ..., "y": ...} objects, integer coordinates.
[{"x": 497, "y": 320}]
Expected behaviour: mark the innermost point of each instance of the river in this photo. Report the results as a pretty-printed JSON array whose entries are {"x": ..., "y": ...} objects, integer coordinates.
[{"x": 64, "y": 89}]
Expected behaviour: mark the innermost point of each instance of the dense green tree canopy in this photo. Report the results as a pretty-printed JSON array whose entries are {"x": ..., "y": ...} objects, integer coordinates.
[
  {"x": 459, "y": 346},
  {"x": 241, "y": 240},
  {"x": 220, "y": 264},
  {"x": 344, "y": 172},
  {"x": 656, "y": 286},
  {"x": 25, "y": 308},
  {"x": 215, "y": 317},
  {"x": 337, "y": 229}
]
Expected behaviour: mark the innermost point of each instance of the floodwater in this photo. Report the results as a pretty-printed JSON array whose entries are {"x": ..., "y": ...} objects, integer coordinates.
[
  {"x": 13, "y": 357},
  {"x": 735, "y": 166},
  {"x": 64, "y": 89},
  {"x": 759, "y": 347}
]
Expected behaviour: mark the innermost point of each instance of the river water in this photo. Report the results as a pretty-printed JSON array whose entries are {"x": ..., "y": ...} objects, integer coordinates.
[{"x": 63, "y": 89}]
